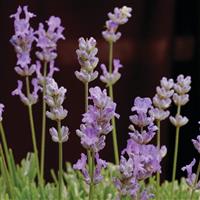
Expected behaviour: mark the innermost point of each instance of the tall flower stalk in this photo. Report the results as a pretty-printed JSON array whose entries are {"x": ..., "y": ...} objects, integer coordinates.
[
  {"x": 180, "y": 98},
  {"x": 54, "y": 99},
  {"x": 96, "y": 125},
  {"x": 119, "y": 17},
  {"x": 22, "y": 42},
  {"x": 88, "y": 61},
  {"x": 47, "y": 43}
]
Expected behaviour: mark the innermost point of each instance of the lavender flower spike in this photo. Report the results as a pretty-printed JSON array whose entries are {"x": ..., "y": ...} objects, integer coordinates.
[
  {"x": 111, "y": 78},
  {"x": 22, "y": 40},
  {"x": 47, "y": 39},
  {"x": 119, "y": 17},
  {"x": 1, "y": 111},
  {"x": 190, "y": 180},
  {"x": 87, "y": 59},
  {"x": 196, "y": 143}
]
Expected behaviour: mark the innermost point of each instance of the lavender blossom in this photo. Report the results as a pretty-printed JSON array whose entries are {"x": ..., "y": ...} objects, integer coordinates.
[
  {"x": 96, "y": 121},
  {"x": 178, "y": 120},
  {"x": 111, "y": 78},
  {"x": 190, "y": 180},
  {"x": 162, "y": 99},
  {"x": 196, "y": 143},
  {"x": 142, "y": 127},
  {"x": 47, "y": 39},
  {"x": 81, "y": 165},
  {"x": 31, "y": 98},
  {"x": 1, "y": 111},
  {"x": 87, "y": 59},
  {"x": 119, "y": 17},
  {"x": 22, "y": 40},
  {"x": 54, "y": 98},
  {"x": 64, "y": 134}
]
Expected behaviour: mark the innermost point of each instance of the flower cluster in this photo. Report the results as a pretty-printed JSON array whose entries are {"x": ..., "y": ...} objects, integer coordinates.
[
  {"x": 1, "y": 111},
  {"x": 139, "y": 160},
  {"x": 108, "y": 77},
  {"x": 30, "y": 98},
  {"x": 180, "y": 98},
  {"x": 96, "y": 121},
  {"x": 162, "y": 99},
  {"x": 87, "y": 59},
  {"x": 47, "y": 39},
  {"x": 22, "y": 41},
  {"x": 54, "y": 98},
  {"x": 119, "y": 17},
  {"x": 81, "y": 165}
]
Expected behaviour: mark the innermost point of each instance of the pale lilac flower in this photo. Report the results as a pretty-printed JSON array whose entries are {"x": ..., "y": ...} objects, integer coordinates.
[
  {"x": 96, "y": 121},
  {"x": 87, "y": 59},
  {"x": 108, "y": 77},
  {"x": 178, "y": 121},
  {"x": 119, "y": 17},
  {"x": 162, "y": 99},
  {"x": 196, "y": 143},
  {"x": 47, "y": 39},
  {"x": 64, "y": 134},
  {"x": 22, "y": 40},
  {"x": 81, "y": 165},
  {"x": 1, "y": 111},
  {"x": 181, "y": 88},
  {"x": 32, "y": 98},
  {"x": 190, "y": 180},
  {"x": 50, "y": 73},
  {"x": 142, "y": 127}
]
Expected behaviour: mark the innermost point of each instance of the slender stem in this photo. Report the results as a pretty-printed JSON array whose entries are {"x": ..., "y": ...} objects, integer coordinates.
[
  {"x": 43, "y": 137},
  {"x": 114, "y": 131},
  {"x": 60, "y": 180},
  {"x": 158, "y": 146},
  {"x": 92, "y": 179},
  {"x": 175, "y": 152},
  {"x": 33, "y": 131},
  {"x": 196, "y": 180},
  {"x": 5, "y": 146}
]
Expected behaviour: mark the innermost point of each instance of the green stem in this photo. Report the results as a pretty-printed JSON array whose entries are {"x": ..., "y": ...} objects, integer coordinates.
[
  {"x": 91, "y": 192},
  {"x": 158, "y": 146},
  {"x": 43, "y": 137},
  {"x": 114, "y": 131},
  {"x": 196, "y": 180},
  {"x": 175, "y": 152},
  {"x": 60, "y": 180},
  {"x": 33, "y": 131}
]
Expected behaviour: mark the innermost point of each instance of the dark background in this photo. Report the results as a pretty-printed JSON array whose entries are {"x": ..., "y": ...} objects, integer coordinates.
[{"x": 161, "y": 39}]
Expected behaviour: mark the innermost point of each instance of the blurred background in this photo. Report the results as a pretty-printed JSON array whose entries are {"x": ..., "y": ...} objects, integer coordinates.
[{"x": 161, "y": 39}]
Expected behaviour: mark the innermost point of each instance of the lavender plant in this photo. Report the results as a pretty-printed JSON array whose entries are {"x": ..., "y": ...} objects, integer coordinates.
[{"x": 132, "y": 176}]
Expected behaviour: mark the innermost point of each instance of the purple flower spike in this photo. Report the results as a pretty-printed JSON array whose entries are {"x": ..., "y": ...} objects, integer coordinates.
[
  {"x": 111, "y": 78},
  {"x": 47, "y": 39},
  {"x": 196, "y": 143},
  {"x": 81, "y": 165},
  {"x": 23, "y": 38},
  {"x": 1, "y": 111},
  {"x": 119, "y": 17},
  {"x": 190, "y": 180}
]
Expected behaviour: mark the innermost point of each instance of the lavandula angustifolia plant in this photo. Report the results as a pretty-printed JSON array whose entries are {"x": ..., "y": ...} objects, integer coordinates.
[
  {"x": 47, "y": 43},
  {"x": 96, "y": 125},
  {"x": 180, "y": 98},
  {"x": 193, "y": 179},
  {"x": 162, "y": 101},
  {"x": 54, "y": 99},
  {"x": 88, "y": 61},
  {"x": 143, "y": 159},
  {"x": 22, "y": 42},
  {"x": 110, "y": 77}
]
